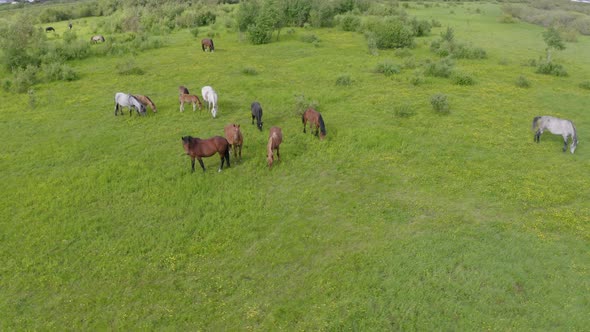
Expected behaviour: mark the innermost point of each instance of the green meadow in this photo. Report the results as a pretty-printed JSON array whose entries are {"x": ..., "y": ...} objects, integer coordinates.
[{"x": 403, "y": 218}]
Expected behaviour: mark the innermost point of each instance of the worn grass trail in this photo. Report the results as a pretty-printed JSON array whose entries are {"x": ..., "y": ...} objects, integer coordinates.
[{"x": 425, "y": 222}]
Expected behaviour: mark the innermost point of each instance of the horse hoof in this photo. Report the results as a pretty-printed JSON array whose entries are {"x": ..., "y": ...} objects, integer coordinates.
[{"x": 219, "y": 170}]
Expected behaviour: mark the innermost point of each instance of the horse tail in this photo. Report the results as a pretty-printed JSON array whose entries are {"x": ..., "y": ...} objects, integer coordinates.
[
  {"x": 322, "y": 126},
  {"x": 535, "y": 120},
  {"x": 212, "y": 46},
  {"x": 303, "y": 118},
  {"x": 226, "y": 156}
]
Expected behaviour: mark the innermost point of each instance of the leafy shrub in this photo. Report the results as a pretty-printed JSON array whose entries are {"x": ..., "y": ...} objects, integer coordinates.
[
  {"x": 391, "y": 33},
  {"x": 410, "y": 63},
  {"x": 76, "y": 49},
  {"x": 302, "y": 104},
  {"x": 348, "y": 22},
  {"x": 551, "y": 68},
  {"x": 462, "y": 79},
  {"x": 462, "y": 51},
  {"x": 420, "y": 27},
  {"x": 522, "y": 82},
  {"x": 206, "y": 18},
  {"x": 343, "y": 80},
  {"x": 249, "y": 71},
  {"x": 309, "y": 38},
  {"x": 440, "y": 103},
  {"x": 129, "y": 68},
  {"x": 403, "y": 111},
  {"x": 443, "y": 68},
  {"x": 260, "y": 33},
  {"x": 195, "y": 32},
  {"x": 417, "y": 80},
  {"x": 6, "y": 85},
  {"x": 24, "y": 79},
  {"x": 585, "y": 85},
  {"x": 387, "y": 68},
  {"x": 59, "y": 72}
]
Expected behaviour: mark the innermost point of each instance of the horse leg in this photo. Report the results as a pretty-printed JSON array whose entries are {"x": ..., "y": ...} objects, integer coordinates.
[
  {"x": 564, "y": 143},
  {"x": 240, "y": 146},
  {"x": 116, "y": 108},
  {"x": 194, "y": 107},
  {"x": 193, "y": 165},
  {"x": 181, "y": 106},
  {"x": 252, "y": 118},
  {"x": 304, "y": 124},
  {"x": 278, "y": 154},
  {"x": 201, "y": 162}
]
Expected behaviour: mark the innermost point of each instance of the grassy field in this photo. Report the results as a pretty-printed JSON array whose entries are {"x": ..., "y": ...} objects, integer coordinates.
[{"x": 419, "y": 222}]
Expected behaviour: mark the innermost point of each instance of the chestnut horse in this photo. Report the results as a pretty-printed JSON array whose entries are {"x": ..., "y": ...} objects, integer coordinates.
[
  {"x": 197, "y": 148},
  {"x": 183, "y": 98},
  {"x": 314, "y": 117},
  {"x": 275, "y": 138},
  {"x": 146, "y": 101},
  {"x": 235, "y": 138},
  {"x": 257, "y": 114},
  {"x": 207, "y": 43}
]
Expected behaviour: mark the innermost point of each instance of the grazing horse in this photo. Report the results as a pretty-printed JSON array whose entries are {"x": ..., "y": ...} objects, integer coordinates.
[
  {"x": 146, "y": 101},
  {"x": 314, "y": 117},
  {"x": 125, "y": 100},
  {"x": 257, "y": 114},
  {"x": 275, "y": 138},
  {"x": 235, "y": 138},
  {"x": 96, "y": 39},
  {"x": 207, "y": 43},
  {"x": 189, "y": 99},
  {"x": 183, "y": 90},
  {"x": 210, "y": 96},
  {"x": 70, "y": 25},
  {"x": 49, "y": 29},
  {"x": 556, "y": 126},
  {"x": 197, "y": 148}
]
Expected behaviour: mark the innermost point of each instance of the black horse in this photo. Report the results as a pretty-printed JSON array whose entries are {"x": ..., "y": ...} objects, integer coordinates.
[
  {"x": 257, "y": 114},
  {"x": 49, "y": 29}
]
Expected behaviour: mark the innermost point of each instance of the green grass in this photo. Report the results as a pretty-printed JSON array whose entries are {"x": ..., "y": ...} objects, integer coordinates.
[{"x": 425, "y": 222}]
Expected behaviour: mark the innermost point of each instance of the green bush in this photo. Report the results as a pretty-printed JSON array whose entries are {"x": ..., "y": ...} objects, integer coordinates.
[
  {"x": 387, "y": 68},
  {"x": 24, "y": 79},
  {"x": 462, "y": 79},
  {"x": 403, "y": 111},
  {"x": 522, "y": 82},
  {"x": 440, "y": 103},
  {"x": 551, "y": 68},
  {"x": 443, "y": 68},
  {"x": 348, "y": 22},
  {"x": 59, "y": 72},
  {"x": 249, "y": 71},
  {"x": 585, "y": 85},
  {"x": 417, "y": 79},
  {"x": 129, "y": 68},
  {"x": 391, "y": 33},
  {"x": 343, "y": 80},
  {"x": 195, "y": 32}
]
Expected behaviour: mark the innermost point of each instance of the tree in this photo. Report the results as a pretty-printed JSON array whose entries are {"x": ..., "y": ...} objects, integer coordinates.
[{"x": 553, "y": 41}]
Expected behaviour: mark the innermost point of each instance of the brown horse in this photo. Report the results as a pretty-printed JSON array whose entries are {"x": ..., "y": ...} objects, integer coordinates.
[
  {"x": 207, "y": 43},
  {"x": 184, "y": 98},
  {"x": 275, "y": 138},
  {"x": 146, "y": 101},
  {"x": 183, "y": 90},
  {"x": 235, "y": 138},
  {"x": 314, "y": 117},
  {"x": 197, "y": 148}
]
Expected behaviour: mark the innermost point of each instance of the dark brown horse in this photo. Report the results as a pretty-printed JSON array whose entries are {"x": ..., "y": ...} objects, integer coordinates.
[
  {"x": 197, "y": 148},
  {"x": 49, "y": 29},
  {"x": 234, "y": 138},
  {"x": 207, "y": 43},
  {"x": 314, "y": 118},
  {"x": 257, "y": 114},
  {"x": 275, "y": 138},
  {"x": 183, "y": 90}
]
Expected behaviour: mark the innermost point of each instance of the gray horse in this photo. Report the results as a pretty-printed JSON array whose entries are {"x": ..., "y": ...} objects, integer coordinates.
[{"x": 556, "y": 126}]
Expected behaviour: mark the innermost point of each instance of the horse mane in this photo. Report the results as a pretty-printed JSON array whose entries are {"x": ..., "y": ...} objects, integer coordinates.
[
  {"x": 212, "y": 46},
  {"x": 535, "y": 121},
  {"x": 150, "y": 101},
  {"x": 322, "y": 126}
]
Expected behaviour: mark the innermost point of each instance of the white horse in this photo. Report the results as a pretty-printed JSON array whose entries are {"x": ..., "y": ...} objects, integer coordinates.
[
  {"x": 125, "y": 100},
  {"x": 556, "y": 126},
  {"x": 210, "y": 97}
]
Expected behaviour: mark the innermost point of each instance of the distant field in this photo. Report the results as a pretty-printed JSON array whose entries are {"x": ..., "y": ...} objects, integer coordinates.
[{"x": 402, "y": 219}]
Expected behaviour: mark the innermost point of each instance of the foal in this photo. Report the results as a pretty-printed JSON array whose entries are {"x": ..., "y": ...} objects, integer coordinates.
[
  {"x": 184, "y": 98},
  {"x": 274, "y": 140},
  {"x": 234, "y": 138}
]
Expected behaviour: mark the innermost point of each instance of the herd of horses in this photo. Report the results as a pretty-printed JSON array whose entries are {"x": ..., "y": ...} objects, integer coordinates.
[{"x": 198, "y": 148}]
